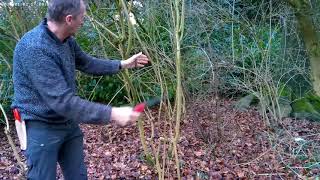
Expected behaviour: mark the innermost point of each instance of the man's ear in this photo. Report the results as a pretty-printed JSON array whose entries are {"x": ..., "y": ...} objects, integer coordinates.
[{"x": 68, "y": 19}]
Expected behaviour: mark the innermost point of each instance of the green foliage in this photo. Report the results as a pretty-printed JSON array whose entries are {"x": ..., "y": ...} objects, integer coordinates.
[
  {"x": 105, "y": 89},
  {"x": 6, "y": 89},
  {"x": 148, "y": 159},
  {"x": 197, "y": 71}
]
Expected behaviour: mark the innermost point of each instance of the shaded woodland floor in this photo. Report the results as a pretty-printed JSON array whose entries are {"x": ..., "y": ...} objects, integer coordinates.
[{"x": 216, "y": 142}]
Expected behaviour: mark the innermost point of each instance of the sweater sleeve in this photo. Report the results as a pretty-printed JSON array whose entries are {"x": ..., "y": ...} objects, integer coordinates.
[
  {"x": 47, "y": 78},
  {"x": 92, "y": 65}
]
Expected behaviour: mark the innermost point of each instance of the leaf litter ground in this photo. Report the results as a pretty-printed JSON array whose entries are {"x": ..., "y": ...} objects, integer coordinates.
[{"x": 216, "y": 142}]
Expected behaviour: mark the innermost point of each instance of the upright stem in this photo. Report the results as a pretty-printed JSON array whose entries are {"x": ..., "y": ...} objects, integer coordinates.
[
  {"x": 232, "y": 31},
  {"x": 140, "y": 122},
  {"x": 178, "y": 34}
]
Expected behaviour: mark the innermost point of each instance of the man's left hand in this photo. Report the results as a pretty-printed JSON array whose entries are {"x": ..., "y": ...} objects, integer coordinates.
[{"x": 137, "y": 60}]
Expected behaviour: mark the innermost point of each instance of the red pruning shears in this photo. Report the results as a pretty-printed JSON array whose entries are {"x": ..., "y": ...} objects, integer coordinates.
[{"x": 149, "y": 103}]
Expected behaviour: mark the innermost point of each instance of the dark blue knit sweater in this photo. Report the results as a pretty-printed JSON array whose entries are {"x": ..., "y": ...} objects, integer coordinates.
[{"x": 44, "y": 70}]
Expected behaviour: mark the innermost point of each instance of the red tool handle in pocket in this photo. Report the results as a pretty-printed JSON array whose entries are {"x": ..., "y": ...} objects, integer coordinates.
[
  {"x": 16, "y": 115},
  {"x": 21, "y": 129}
]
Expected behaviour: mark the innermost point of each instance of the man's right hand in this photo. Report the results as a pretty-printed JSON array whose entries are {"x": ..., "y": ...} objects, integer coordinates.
[{"x": 124, "y": 115}]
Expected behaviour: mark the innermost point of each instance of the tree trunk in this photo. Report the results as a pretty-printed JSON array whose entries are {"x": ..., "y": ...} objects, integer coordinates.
[{"x": 303, "y": 12}]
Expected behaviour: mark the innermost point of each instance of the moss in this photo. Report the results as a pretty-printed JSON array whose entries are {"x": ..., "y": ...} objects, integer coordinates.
[
  {"x": 315, "y": 51},
  {"x": 307, "y": 107}
]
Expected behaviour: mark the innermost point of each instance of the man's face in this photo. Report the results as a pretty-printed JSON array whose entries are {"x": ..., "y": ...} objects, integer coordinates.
[{"x": 77, "y": 21}]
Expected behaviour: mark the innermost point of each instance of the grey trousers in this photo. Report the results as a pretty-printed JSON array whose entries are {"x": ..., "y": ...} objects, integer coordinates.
[{"x": 48, "y": 144}]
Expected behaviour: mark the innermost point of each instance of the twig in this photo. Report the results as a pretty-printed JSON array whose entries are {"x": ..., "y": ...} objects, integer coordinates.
[{"x": 262, "y": 154}]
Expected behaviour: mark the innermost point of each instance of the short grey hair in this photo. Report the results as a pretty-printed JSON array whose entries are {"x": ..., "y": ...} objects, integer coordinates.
[{"x": 59, "y": 9}]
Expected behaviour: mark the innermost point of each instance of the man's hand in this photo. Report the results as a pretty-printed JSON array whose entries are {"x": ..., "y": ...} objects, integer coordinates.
[
  {"x": 137, "y": 60},
  {"x": 124, "y": 115}
]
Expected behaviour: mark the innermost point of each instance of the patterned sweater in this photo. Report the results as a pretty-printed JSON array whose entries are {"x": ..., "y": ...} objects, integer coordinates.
[{"x": 44, "y": 70}]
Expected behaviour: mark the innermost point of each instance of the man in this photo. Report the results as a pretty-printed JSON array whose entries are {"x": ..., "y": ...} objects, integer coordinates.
[{"x": 44, "y": 67}]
